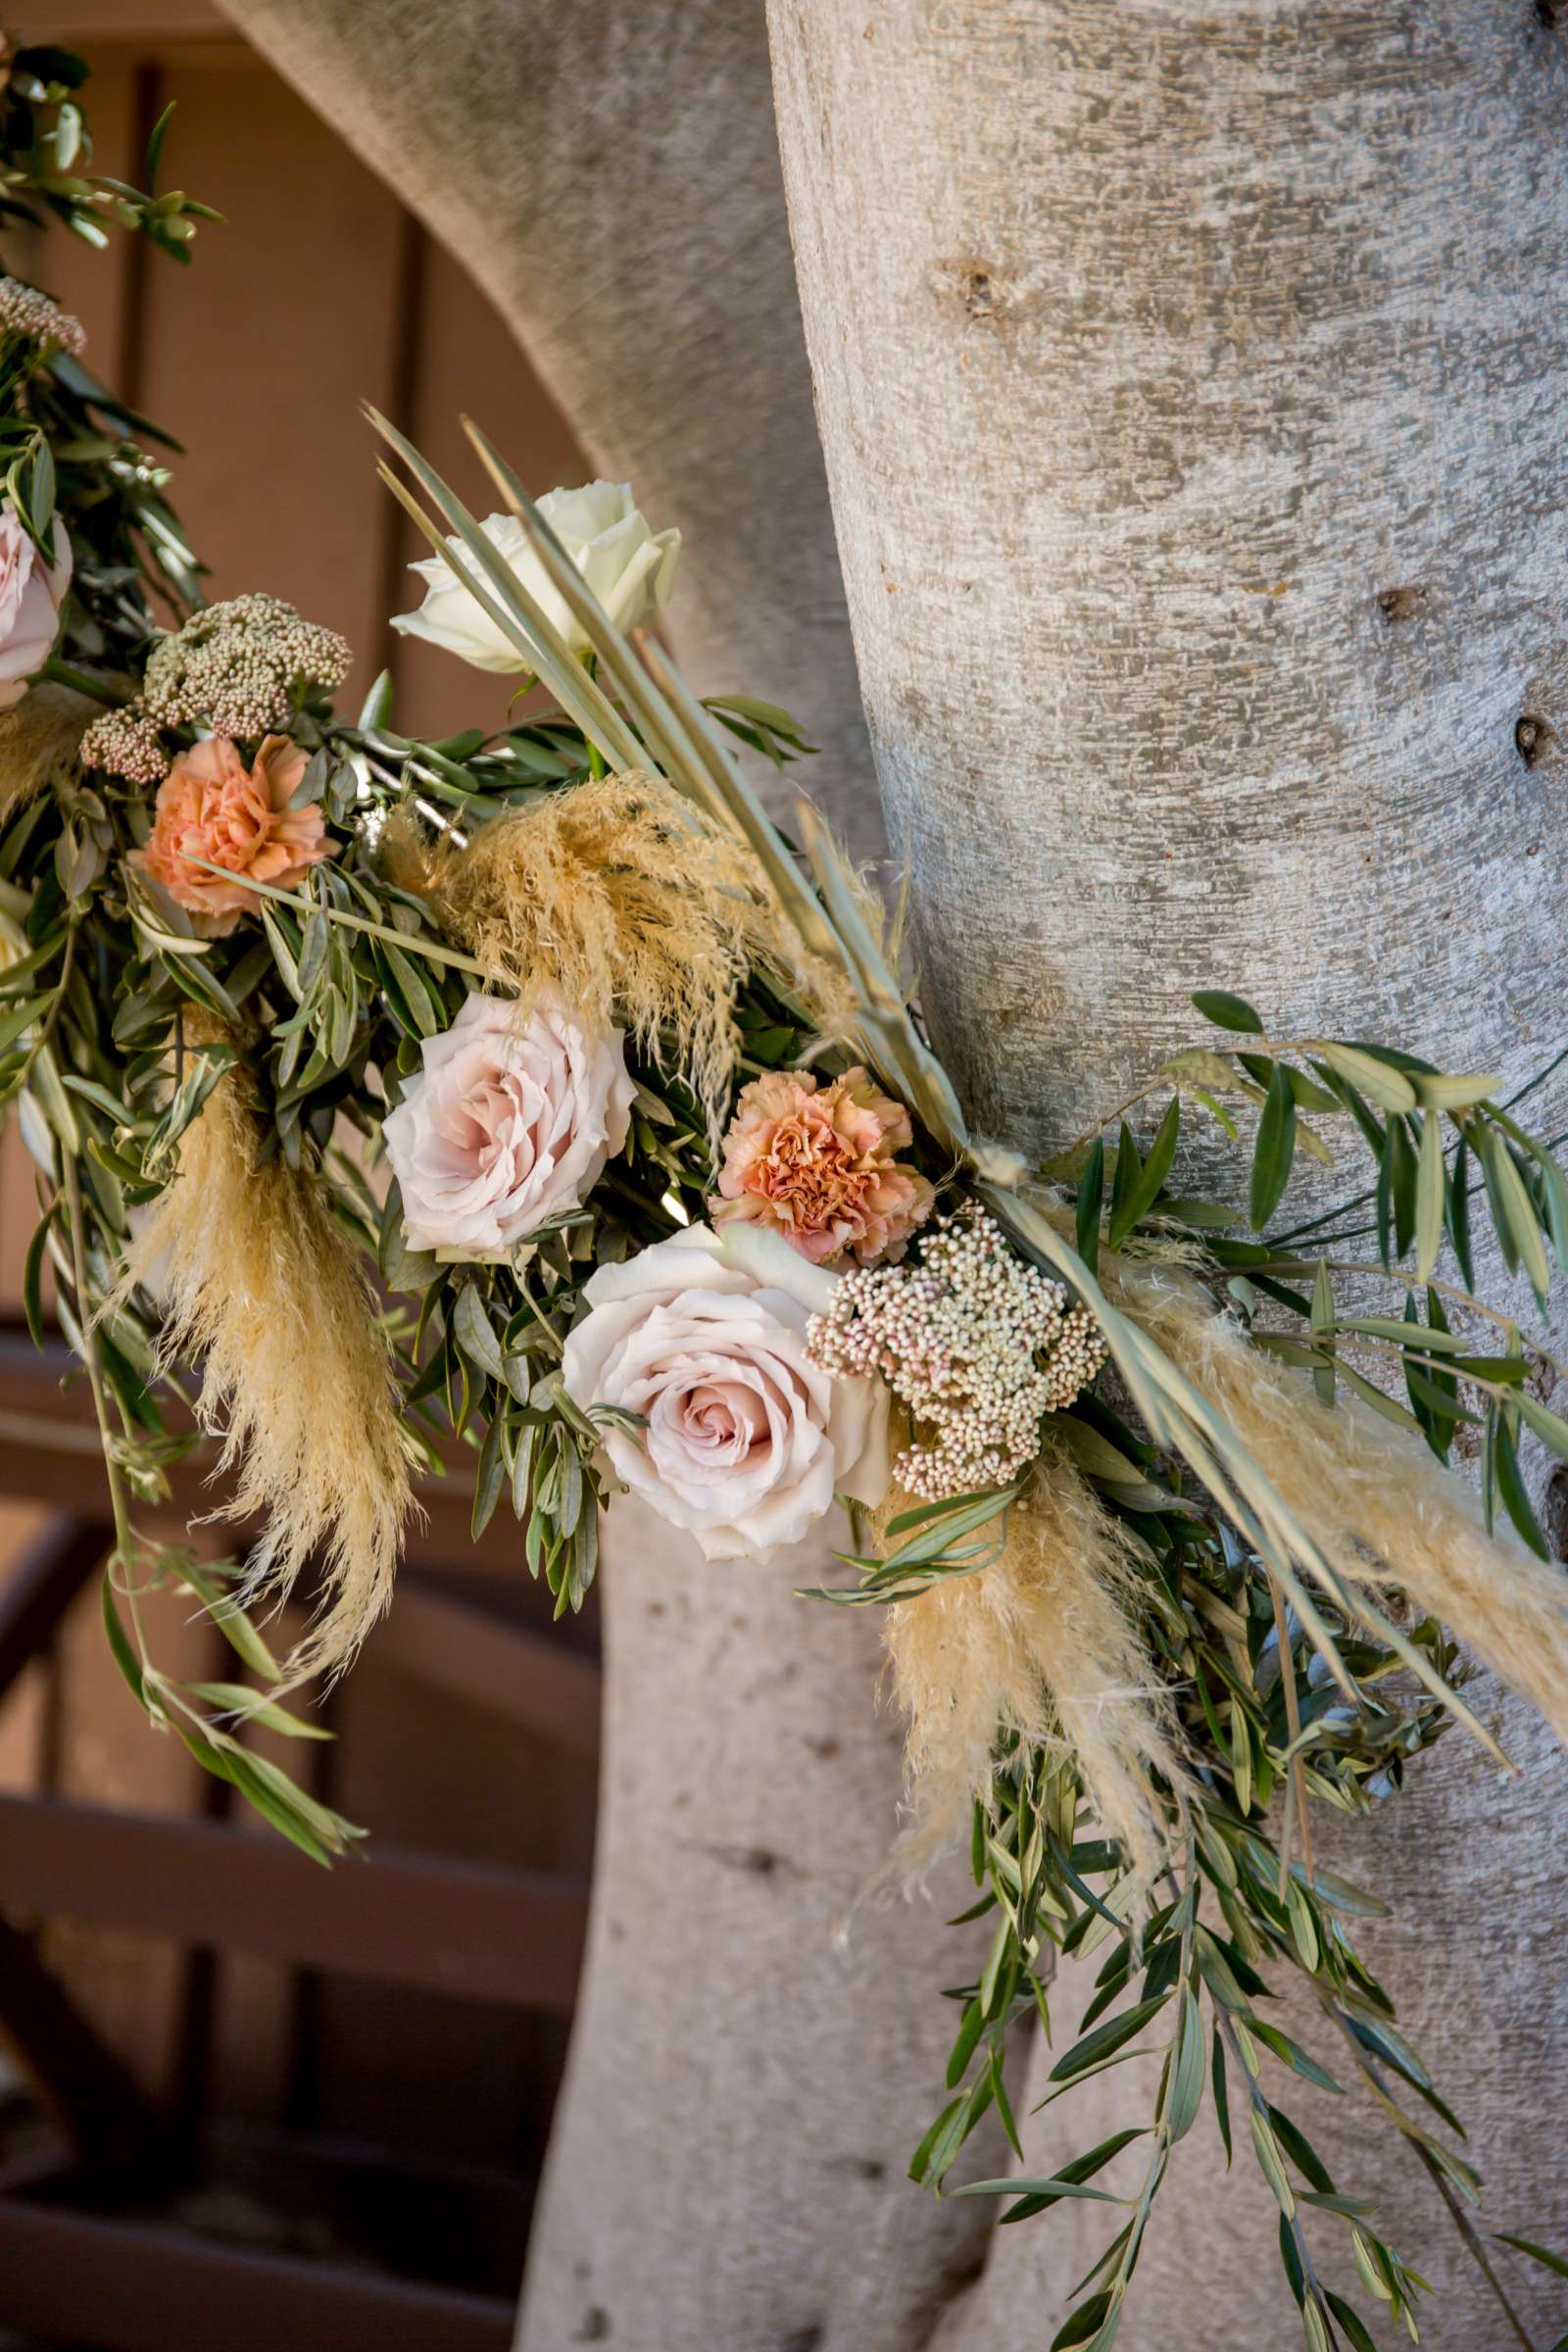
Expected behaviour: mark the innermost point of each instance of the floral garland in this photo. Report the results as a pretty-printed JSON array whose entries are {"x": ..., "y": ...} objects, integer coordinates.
[{"x": 528, "y": 1088}]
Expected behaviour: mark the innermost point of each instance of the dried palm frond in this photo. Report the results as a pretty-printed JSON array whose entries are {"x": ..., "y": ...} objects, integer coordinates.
[
  {"x": 1379, "y": 1502},
  {"x": 833, "y": 930},
  {"x": 38, "y": 740},
  {"x": 1289, "y": 1532},
  {"x": 259, "y": 1282},
  {"x": 1042, "y": 1642},
  {"x": 623, "y": 897}
]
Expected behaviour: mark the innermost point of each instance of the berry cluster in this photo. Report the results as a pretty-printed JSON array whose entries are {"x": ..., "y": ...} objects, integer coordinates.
[
  {"x": 236, "y": 669},
  {"x": 239, "y": 667},
  {"x": 974, "y": 1341},
  {"x": 30, "y": 314}
]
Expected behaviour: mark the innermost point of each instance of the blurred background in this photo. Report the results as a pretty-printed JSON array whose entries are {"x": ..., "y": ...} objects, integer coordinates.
[{"x": 207, "y": 2145}]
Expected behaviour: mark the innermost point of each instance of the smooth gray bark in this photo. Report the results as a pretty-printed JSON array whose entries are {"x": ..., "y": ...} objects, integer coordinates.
[
  {"x": 747, "y": 2082},
  {"x": 609, "y": 176},
  {"x": 742, "y": 2094},
  {"x": 1192, "y": 383}
]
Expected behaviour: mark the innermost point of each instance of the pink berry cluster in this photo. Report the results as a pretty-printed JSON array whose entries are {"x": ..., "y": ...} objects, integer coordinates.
[
  {"x": 127, "y": 743},
  {"x": 975, "y": 1343},
  {"x": 236, "y": 669},
  {"x": 28, "y": 314}
]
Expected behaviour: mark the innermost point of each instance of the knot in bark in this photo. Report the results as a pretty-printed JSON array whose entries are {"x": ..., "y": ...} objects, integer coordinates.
[{"x": 1534, "y": 738}]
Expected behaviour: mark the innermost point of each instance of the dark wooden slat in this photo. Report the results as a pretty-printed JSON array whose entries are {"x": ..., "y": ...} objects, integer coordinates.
[
  {"x": 134, "y": 2288},
  {"x": 49, "y": 1454},
  {"x": 103, "y": 2114},
  {"x": 35, "y": 2169},
  {"x": 42, "y": 1586},
  {"x": 450, "y": 2223},
  {"x": 485, "y": 1935},
  {"x": 530, "y": 1679}
]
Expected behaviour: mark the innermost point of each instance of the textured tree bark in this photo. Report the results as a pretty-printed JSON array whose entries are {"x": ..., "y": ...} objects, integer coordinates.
[
  {"x": 1191, "y": 379},
  {"x": 609, "y": 176},
  {"x": 747, "y": 2083},
  {"x": 742, "y": 2094}
]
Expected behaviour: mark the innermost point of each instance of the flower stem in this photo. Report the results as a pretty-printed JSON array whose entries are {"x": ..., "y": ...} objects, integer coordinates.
[
  {"x": 1296, "y": 1806},
  {"x": 1259, "y": 2103},
  {"x": 46, "y": 1027},
  {"x": 1291, "y": 1263},
  {"x": 113, "y": 690},
  {"x": 124, "y": 1534},
  {"x": 410, "y": 941}
]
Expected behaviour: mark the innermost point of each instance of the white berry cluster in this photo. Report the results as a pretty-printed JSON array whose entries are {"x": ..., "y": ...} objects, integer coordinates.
[
  {"x": 974, "y": 1341},
  {"x": 25, "y": 311},
  {"x": 125, "y": 743},
  {"x": 236, "y": 667}
]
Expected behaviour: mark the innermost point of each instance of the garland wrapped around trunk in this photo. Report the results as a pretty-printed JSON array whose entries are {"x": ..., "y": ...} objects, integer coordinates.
[{"x": 525, "y": 1102}]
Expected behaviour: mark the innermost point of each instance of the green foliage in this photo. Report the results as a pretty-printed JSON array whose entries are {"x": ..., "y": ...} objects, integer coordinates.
[
  {"x": 46, "y": 157},
  {"x": 1183, "y": 1986},
  {"x": 761, "y": 726},
  {"x": 1260, "y": 1712}
]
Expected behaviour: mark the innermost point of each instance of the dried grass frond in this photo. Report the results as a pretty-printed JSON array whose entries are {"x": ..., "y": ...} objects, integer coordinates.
[
  {"x": 259, "y": 1282},
  {"x": 636, "y": 907},
  {"x": 38, "y": 740},
  {"x": 1044, "y": 1641},
  {"x": 1384, "y": 1509},
  {"x": 885, "y": 914}
]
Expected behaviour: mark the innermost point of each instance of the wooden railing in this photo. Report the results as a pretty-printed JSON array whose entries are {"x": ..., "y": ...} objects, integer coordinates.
[
  {"x": 79, "y": 2254},
  {"x": 74, "y": 2262}
]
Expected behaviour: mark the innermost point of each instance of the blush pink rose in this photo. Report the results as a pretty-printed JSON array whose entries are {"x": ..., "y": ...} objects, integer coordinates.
[
  {"x": 818, "y": 1165},
  {"x": 211, "y": 805},
  {"x": 747, "y": 1440},
  {"x": 31, "y": 596},
  {"x": 509, "y": 1123}
]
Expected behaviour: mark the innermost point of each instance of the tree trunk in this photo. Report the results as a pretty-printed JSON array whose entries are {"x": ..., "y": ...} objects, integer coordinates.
[
  {"x": 1192, "y": 383},
  {"x": 747, "y": 2084},
  {"x": 742, "y": 2094},
  {"x": 609, "y": 176}
]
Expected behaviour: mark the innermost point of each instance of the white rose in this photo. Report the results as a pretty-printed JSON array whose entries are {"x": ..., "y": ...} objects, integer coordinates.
[
  {"x": 509, "y": 1123},
  {"x": 31, "y": 596},
  {"x": 630, "y": 568},
  {"x": 747, "y": 1440}
]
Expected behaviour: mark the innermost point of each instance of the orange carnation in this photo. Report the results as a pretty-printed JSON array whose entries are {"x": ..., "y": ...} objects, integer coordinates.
[
  {"x": 817, "y": 1164},
  {"x": 211, "y": 805}
]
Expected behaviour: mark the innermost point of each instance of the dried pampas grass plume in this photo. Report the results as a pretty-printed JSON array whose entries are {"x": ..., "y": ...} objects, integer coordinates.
[
  {"x": 38, "y": 741},
  {"x": 1041, "y": 1642},
  {"x": 1383, "y": 1508},
  {"x": 639, "y": 908},
  {"x": 259, "y": 1282}
]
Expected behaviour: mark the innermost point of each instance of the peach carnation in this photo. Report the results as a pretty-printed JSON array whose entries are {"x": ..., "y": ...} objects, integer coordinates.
[
  {"x": 818, "y": 1165},
  {"x": 211, "y": 805}
]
